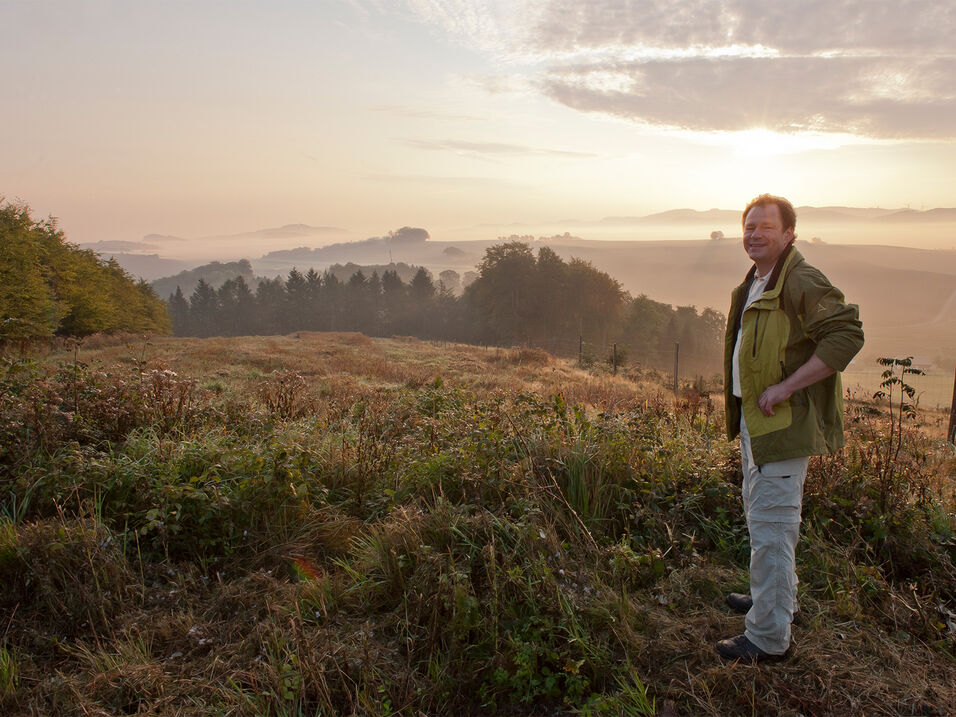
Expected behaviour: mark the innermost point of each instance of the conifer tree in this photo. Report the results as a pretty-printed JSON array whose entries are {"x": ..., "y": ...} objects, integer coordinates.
[
  {"x": 271, "y": 306},
  {"x": 179, "y": 313},
  {"x": 310, "y": 313},
  {"x": 204, "y": 310}
]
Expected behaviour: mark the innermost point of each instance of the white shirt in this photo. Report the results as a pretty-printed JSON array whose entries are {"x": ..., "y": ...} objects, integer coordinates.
[{"x": 756, "y": 289}]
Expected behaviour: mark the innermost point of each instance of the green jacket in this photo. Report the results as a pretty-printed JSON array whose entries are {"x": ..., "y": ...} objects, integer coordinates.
[{"x": 799, "y": 314}]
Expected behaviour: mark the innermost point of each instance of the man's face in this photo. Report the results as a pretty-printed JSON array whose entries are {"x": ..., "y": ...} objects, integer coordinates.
[{"x": 764, "y": 237}]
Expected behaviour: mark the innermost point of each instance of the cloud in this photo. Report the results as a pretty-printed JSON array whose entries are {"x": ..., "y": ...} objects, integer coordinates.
[
  {"x": 873, "y": 68},
  {"x": 893, "y": 99},
  {"x": 492, "y": 149},
  {"x": 495, "y": 26},
  {"x": 802, "y": 28}
]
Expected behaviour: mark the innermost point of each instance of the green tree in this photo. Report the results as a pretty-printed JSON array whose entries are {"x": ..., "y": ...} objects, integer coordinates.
[
  {"x": 237, "y": 307},
  {"x": 358, "y": 302},
  {"x": 204, "y": 310},
  {"x": 296, "y": 299},
  {"x": 598, "y": 300},
  {"x": 553, "y": 297},
  {"x": 179, "y": 313},
  {"x": 51, "y": 286},
  {"x": 500, "y": 299},
  {"x": 28, "y": 307},
  {"x": 421, "y": 294},
  {"x": 311, "y": 313},
  {"x": 270, "y": 306},
  {"x": 394, "y": 302}
]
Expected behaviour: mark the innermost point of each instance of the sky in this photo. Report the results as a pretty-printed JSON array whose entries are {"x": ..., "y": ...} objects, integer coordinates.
[{"x": 206, "y": 117}]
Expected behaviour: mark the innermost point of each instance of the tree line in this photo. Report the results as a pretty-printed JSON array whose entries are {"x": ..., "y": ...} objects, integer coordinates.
[
  {"x": 49, "y": 286},
  {"x": 518, "y": 298}
]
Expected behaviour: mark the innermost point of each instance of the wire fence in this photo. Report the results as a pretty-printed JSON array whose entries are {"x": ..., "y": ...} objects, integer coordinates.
[
  {"x": 934, "y": 389},
  {"x": 666, "y": 362}
]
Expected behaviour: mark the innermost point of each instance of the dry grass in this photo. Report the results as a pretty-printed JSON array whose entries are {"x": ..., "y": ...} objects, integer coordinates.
[{"x": 424, "y": 546}]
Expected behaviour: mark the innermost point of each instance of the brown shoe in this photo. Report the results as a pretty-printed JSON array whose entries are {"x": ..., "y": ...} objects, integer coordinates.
[
  {"x": 740, "y": 603},
  {"x": 740, "y": 648}
]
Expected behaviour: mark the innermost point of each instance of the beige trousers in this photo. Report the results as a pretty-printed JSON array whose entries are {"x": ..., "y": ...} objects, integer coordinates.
[{"x": 772, "y": 498}]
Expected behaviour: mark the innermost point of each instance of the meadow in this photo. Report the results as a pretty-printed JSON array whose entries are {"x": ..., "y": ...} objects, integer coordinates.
[{"x": 327, "y": 524}]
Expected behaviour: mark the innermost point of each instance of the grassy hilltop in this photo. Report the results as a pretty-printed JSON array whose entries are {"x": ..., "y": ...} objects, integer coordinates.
[{"x": 330, "y": 524}]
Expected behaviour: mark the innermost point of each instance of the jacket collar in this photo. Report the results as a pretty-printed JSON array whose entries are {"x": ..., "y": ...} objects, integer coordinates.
[{"x": 788, "y": 257}]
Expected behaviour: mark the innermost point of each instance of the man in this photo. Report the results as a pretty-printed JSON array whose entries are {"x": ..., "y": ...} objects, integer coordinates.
[{"x": 789, "y": 333}]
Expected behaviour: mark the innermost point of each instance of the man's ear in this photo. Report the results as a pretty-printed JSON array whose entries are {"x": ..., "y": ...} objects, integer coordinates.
[{"x": 788, "y": 235}]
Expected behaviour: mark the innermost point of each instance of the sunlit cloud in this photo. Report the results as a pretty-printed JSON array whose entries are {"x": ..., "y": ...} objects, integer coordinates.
[
  {"x": 894, "y": 100},
  {"x": 799, "y": 28},
  {"x": 845, "y": 67}
]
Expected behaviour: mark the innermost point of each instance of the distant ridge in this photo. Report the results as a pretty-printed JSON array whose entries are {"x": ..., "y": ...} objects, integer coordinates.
[
  {"x": 678, "y": 216},
  {"x": 162, "y": 237},
  {"x": 284, "y": 232},
  {"x": 214, "y": 273},
  {"x": 851, "y": 213},
  {"x": 148, "y": 266},
  {"x": 105, "y": 247},
  {"x": 806, "y": 212},
  {"x": 942, "y": 214}
]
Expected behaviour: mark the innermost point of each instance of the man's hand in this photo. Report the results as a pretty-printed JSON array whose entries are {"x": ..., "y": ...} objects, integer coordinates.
[
  {"x": 812, "y": 371},
  {"x": 772, "y": 396}
]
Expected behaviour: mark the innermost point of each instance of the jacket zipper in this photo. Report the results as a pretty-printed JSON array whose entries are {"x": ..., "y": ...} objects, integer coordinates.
[{"x": 756, "y": 326}]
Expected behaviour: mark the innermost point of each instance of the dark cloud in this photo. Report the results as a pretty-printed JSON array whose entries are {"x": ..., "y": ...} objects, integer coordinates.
[{"x": 886, "y": 98}]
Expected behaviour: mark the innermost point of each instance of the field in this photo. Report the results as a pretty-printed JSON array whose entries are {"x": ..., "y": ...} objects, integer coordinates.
[{"x": 335, "y": 525}]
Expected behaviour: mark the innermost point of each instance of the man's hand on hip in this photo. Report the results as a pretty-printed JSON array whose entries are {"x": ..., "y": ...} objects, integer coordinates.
[
  {"x": 812, "y": 371},
  {"x": 772, "y": 396}
]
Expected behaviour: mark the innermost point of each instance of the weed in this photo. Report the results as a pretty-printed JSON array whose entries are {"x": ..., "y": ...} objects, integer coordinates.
[
  {"x": 9, "y": 673},
  {"x": 285, "y": 395},
  {"x": 631, "y": 700},
  {"x": 894, "y": 378}
]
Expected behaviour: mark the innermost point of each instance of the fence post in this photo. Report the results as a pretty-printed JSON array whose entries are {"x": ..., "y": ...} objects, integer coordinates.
[
  {"x": 614, "y": 359},
  {"x": 676, "y": 355},
  {"x": 580, "y": 350},
  {"x": 951, "y": 433}
]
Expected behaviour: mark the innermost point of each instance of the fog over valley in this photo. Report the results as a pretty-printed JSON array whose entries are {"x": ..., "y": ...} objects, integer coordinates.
[{"x": 907, "y": 295}]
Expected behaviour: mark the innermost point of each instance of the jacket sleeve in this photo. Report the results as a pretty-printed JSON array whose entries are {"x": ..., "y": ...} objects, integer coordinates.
[{"x": 832, "y": 324}]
